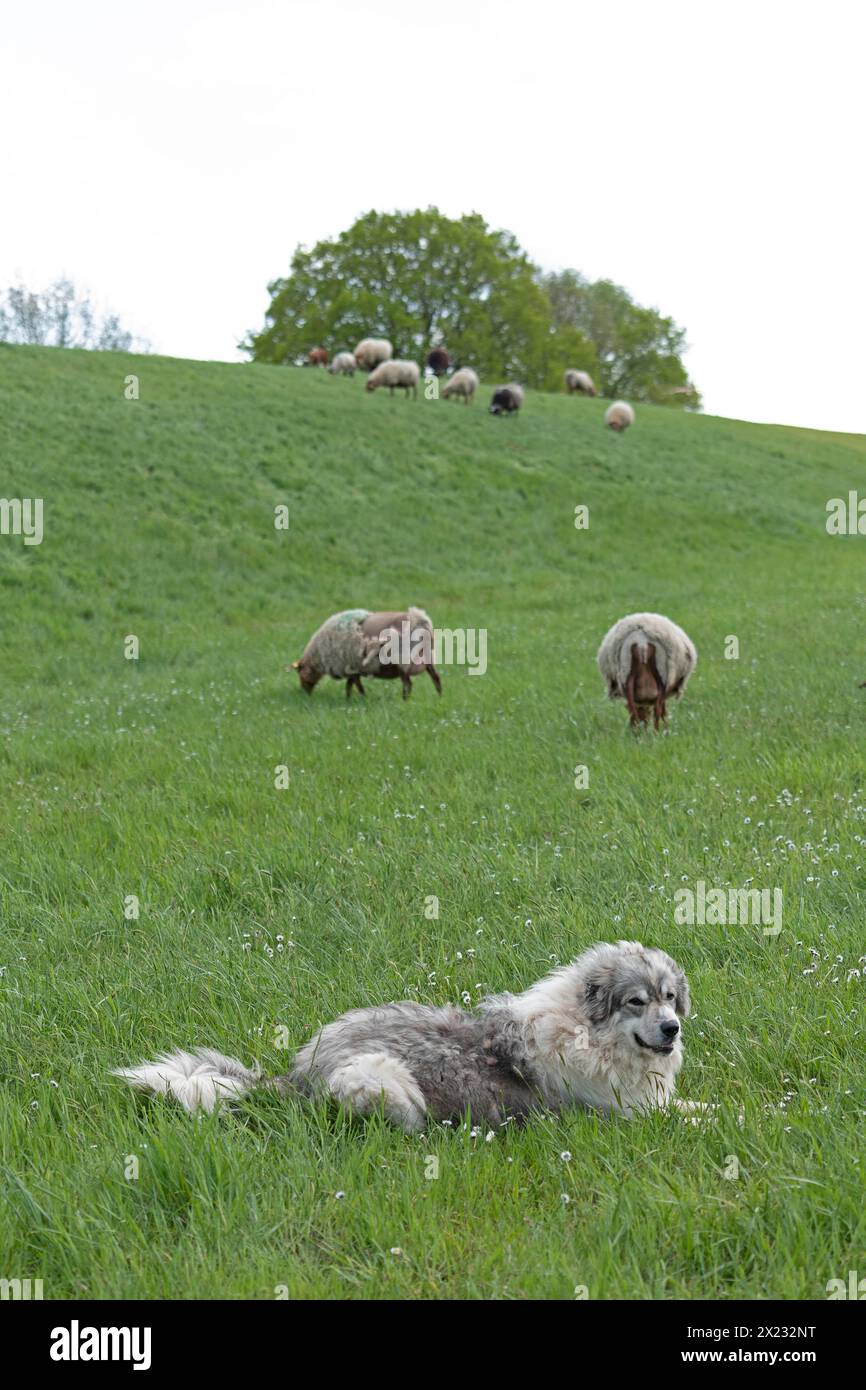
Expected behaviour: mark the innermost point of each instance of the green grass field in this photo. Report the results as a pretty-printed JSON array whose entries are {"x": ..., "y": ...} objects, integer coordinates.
[{"x": 264, "y": 912}]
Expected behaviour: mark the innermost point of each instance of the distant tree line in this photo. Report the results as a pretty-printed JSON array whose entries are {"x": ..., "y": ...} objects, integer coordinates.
[
  {"x": 60, "y": 317},
  {"x": 422, "y": 279}
]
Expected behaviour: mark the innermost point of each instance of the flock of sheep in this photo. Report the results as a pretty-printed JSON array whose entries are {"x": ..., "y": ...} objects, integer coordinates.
[
  {"x": 645, "y": 658},
  {"x": 375, "y": 356}
]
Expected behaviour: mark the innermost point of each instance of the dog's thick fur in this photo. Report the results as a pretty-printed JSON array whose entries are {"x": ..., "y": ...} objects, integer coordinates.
[{"x": 602, "y": 1032}]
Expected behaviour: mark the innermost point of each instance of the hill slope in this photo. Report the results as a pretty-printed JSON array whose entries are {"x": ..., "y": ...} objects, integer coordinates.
[{"x": 262, "y": 912}]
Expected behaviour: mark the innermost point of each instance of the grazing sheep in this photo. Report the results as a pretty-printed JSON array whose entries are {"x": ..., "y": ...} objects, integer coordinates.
[
  {"x": 463, "y": 383},
  {"x": 507, "y": 400},
  {"x": 438, "y": 361},
  {"x": 344, "y": 363},
  {"x": 318, "y": 357},
  {"x": 371, "y": 351},
  {"x": 644, "y": 659},
  {"x": 619, "y": 416},
  {"x": 580, "y": 381},
  {"x": 358, "y": 643},
  {"x": 395, "y": 374}
]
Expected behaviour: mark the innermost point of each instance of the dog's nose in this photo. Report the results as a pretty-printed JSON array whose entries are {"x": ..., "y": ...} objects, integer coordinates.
[{"x": 671, "y": 1029}]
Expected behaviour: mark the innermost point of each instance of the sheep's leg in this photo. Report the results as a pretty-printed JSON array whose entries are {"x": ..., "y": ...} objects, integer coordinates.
[
  {"x": 407, "y": 685},
  {"x": 634, "y": 715},
  {"x": 434, "y": 676},
  {"x": 659, "y": 708}
]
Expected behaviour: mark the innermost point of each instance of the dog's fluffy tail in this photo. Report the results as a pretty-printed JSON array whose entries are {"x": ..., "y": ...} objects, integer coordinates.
[{"x": 199, "y": 1080}]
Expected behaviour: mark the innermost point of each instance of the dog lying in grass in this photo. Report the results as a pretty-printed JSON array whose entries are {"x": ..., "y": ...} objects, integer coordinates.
[{"x": 603, "y": 1032}]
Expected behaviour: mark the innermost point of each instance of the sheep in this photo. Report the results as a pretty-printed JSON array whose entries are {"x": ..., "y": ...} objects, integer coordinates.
[
  {"x": 579, "y": 381},
  {"x": 507, "y": 400},
  {"x": 358, "y": 643},
  {"x": 395, "y": 374},
  {"x": 371, "y": 351},
  {"x": 644, "y": 658},
  {"x": 463, "y": 383},
  {"x": 343, "y": 364},
  {"x": 438, "y": 361},
  {"x": 318, "y": 357},
  {"x": 619, "y": 416}
]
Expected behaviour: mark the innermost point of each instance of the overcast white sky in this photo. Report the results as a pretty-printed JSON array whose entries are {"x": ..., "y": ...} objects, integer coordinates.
[{"x": 709, "y": 156}]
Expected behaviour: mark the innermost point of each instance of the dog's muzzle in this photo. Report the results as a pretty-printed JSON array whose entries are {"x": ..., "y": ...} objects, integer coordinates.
[{"x": 670, "y": 1031}]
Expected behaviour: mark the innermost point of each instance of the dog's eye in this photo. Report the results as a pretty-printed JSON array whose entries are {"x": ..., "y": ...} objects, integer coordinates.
[
  {"x": 670, "y": 995},
  {"x": 638, "y": 1002}
]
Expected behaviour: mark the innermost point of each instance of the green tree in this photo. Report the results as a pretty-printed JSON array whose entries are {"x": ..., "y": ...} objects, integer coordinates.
[
  {"x": 419, "y": 279},
  {"x": 60, "y": 317},
  {"x": 638, "y": 350}
]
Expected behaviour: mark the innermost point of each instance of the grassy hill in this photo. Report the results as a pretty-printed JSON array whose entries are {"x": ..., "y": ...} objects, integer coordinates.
[{"x": 264, "y": 912}]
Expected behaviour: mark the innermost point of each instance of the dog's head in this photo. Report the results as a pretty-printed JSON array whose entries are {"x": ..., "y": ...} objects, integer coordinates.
[{"x": 639, "y": 988}]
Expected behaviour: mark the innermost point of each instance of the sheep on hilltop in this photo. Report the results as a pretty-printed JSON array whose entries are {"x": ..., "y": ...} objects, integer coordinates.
[
  {"x": 507, "y": 400},
  {"x": 404, "y": 375},
  {"x": 619, "y": 416},
  {"x": 579, "y": 382},
  {"x": 371, "y": 351},
  {"x": 463, "y": 383}
]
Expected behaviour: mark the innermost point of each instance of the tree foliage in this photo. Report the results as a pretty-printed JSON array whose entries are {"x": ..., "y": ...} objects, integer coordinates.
[
  {"x": 420, "y": 279},
  {"x": 639, "y": 350},
  {"x": 60, "y": 317}
]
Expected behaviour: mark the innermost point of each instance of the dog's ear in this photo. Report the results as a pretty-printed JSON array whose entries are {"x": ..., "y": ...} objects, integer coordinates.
[
  {"x": 683, "y": 1002},
  {"x": 598, "y": 995}
]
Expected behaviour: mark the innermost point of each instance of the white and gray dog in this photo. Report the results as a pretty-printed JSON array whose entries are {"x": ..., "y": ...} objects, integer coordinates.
[{"x": 602, "y": 1032}]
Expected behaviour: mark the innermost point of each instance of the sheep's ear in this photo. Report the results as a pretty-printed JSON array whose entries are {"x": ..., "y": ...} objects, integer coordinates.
[
  {"x": 295, "y": 665},
  {"x": 598, "y": 996},
  {"x": 683, "y": 1002}
]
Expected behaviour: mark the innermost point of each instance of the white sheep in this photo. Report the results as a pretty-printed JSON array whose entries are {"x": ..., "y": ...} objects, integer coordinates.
[
  {"x": 619, "y": 416},
  {"x": 396, "y": 374},
  {"x": 358, "y": 643},
  {"x": 463, "y": 383},
  {"x": 644, "y": 659},
  {"x": 579, "y": 381},
  {"x": 371, "y": 351},
  {"x": 344, "y": 363}
]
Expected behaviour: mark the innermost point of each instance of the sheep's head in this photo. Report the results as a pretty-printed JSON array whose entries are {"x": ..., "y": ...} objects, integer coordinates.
[{"x": 306, "y": 675}]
